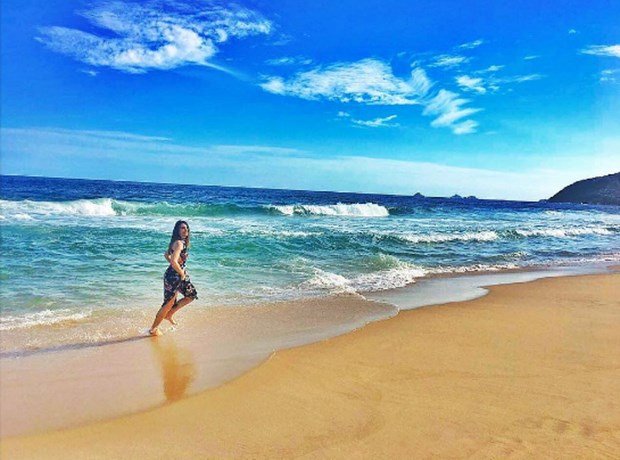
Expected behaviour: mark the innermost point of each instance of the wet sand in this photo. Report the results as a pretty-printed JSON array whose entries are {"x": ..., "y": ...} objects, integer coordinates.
[
  {"x": 110, "y": 378},
  {"x": 530, "y": 370}
]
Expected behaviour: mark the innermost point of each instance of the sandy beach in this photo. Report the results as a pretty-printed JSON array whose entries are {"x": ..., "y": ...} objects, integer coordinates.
[{"x": 530, "y": 370}]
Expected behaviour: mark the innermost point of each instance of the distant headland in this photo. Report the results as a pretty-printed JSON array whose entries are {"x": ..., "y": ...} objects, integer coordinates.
[{"x": 597, "y": 190}]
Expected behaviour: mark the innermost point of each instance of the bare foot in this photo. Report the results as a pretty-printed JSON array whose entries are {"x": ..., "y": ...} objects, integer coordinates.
[
  {"x": 155, "y": 332},
  {"x": 171, "y": 319}
]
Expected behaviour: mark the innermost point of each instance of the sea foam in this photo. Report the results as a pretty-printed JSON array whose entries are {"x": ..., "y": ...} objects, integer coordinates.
[
  {"x": 42, "y": 318},
  {"x": 339, "y": 209}
]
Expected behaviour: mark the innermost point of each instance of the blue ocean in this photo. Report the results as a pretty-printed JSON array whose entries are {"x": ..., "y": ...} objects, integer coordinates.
[{"x": 79, "y": 255}]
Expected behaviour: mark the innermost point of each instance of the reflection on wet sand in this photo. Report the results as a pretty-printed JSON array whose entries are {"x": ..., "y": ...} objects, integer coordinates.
[{"x": 177, "y": 367}]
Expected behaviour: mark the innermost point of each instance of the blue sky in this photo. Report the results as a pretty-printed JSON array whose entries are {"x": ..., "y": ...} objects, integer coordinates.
[{"x": 497, "y": 99}]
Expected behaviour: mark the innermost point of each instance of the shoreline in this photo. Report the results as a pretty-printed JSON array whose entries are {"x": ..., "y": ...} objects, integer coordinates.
[
  {"x": 238, "y": 340},
  {"x": 528, "y": 369},
  {"x": 433, "y": 288}
]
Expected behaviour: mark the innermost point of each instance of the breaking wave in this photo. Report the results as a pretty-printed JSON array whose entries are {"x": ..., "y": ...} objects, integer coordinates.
[
  {"x": 339, "y": 209},
  {"x": 107, "y": 207}
]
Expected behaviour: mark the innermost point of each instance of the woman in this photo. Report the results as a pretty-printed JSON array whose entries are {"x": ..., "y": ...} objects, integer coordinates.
[{"x": 175, "y": 278}]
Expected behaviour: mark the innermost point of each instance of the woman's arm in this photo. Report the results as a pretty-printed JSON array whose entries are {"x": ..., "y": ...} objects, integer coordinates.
[{"x": 174, "y": 258}]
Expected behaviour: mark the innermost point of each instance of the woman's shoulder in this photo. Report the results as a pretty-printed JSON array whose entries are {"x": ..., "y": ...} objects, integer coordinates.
[{"x": 179, "y": 244}]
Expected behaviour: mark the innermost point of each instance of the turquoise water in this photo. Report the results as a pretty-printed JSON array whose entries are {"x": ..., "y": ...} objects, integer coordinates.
[{"x": 75, "y": 251}]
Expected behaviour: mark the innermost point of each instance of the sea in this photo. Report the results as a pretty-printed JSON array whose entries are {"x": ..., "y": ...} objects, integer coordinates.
[{"x": 82, "y": 260}]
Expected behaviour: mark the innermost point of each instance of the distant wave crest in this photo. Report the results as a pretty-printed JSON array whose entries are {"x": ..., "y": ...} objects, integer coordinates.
[
  {"x": 339, "y": 209},
  {"x": 108, "y": 207}
]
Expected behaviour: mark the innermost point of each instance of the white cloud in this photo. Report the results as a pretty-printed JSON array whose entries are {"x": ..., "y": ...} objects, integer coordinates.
[
  {"x": 531, "y": 57},
  {"x": 138, "y": 37},
  {"x": 489, "y": 81},
  {"x": 289, "y": 60},
  {"x": 471, "y": 45},
  {"x": 603, "y": 50},
  {"x": 519, "y": 78},
  {"x": 368, "y": 81},
  {"x": 572, "y": 31},
  {"x": 371, "y": 82},
  {"x": 471, "y": 84},
  {"x": 449, "y": 61},
  {"x": 377, "y": 122},
  {"x": 494, "y": 68},
  {"x": 608, "y": 75},
  {"x": 119, "y": 144},
  {"x": 448, "y": 108},
  {"x": 466, "y": 127},
  {"x": 89, "y": 72}
]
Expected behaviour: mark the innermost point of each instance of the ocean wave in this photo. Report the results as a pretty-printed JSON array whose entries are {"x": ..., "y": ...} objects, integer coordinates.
[
  {"x": 493, "y": 235},
  {"x": 487, "y": 235},
  {"x": 276, "y": 233},
  {"x": 27, "y": 209},
  {"x": 481, "y": 267},
  {"x": 339, "y": 209},
  {"x": 564, "y": 232},
  {"x": 107, "y": 207},
  {"x": 401, "y": 274},
  {"x": 42, "y": 318}
]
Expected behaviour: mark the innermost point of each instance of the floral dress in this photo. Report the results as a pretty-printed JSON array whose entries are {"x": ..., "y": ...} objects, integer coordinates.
[{"x": 173, "y": 282}]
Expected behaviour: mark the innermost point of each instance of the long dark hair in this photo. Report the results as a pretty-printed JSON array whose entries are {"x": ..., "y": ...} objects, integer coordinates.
[{"x": 176, "y": 235}]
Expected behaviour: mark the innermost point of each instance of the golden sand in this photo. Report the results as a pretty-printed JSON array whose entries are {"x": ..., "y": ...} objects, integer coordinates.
[{"x": 531, "y": 370}]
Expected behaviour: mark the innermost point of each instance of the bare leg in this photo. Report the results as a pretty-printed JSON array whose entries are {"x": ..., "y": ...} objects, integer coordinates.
[
  {"x": 171, "y": 311},
  {"x": 180, "y": 304},
  {"x": 161, "y": 314}
]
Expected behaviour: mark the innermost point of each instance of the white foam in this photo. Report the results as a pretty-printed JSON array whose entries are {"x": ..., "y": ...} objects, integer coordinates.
[
  {"x": 564, "y": 232},
  {"x": 388, "y": 279},
  {"x": 21, "y": 216},
  {"x": 253, "y": 231},
  {"x": 328, "y": 281},
  {"x": 41, "y": 318},
  {"x": 487, "y": 235},
  {"x": 474, "y": 268},
  {"x": 339, "y": 209},
  {"x": 399, "y": 276},
  {"x": 96, "y": 207}
]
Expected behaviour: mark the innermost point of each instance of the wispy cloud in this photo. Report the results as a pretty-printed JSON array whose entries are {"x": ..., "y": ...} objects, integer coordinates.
[
  {"x": 602, "y": 50},
  {"x": 494, "y": 68},
  {"x": 471, "y": 45},
  {"x": 89, "y": 72},
  {"x": 137, "y": 37},
  {"x": 471, "y": 84},
  {"x": 609, "y": 75},
  {"x": 374, "y": 123},
  {"x": 572, "y": 31},
  {"x": 487, "y": 80},
  {"x": 449, "y": 61},
  {"x": 531, "y": 57},
  {"x": 118, "y": 144},
  {"x": 519, "y": 78},
  {"x": 368, "y": 81},
  {"x": 448, "y": 108},
  {"x": 289, "y": 60},
  {"x": 372, "y": 82}
]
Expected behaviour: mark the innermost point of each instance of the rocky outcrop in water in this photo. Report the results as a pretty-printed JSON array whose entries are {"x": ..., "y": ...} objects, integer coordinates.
[{"x": 597, "y": 190}]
